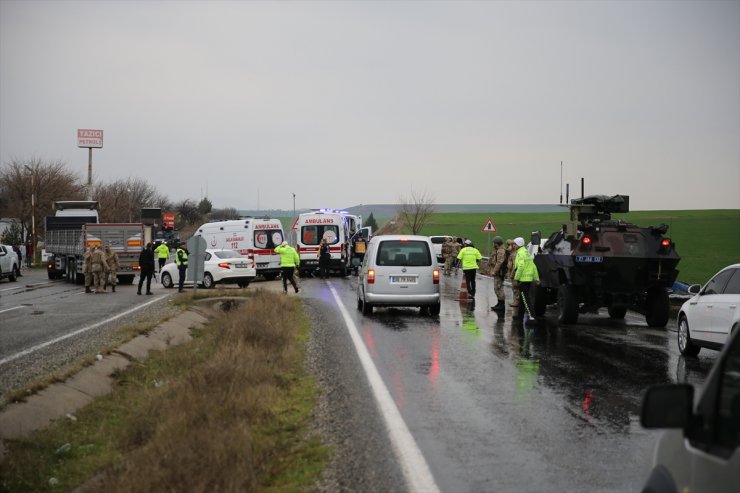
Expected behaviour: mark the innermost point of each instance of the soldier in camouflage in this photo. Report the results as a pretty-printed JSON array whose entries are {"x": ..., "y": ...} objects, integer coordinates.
[{"x": 499, "y": 263}]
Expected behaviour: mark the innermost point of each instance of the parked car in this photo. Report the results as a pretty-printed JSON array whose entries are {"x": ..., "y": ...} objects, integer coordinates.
[
  {"x": 701, "y": 450},
  {"x": 9, "y": 266},
  {"x": 399, "y": 270},
  {"x": 221, "y": 266},
  {"x": 707, "y": 319}
]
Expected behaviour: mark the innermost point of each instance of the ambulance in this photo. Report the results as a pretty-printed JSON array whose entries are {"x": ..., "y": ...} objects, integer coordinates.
[
  {"x": 253, "y": 237},
  {"x": 337, "y": 227}
]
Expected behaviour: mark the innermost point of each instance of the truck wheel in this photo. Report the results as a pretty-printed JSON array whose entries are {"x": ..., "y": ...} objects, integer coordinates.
[
  {"x": 269, "y": 276},
  {"x": 12, "y": 276},
  {"x": 567, "y": 305},
  {"x": 167, "y": 280},
  {"x": 540, "y": 300},
  {"x": 658, "y": 307},
  {"x": 685, "y": 344},
  {"x": 617, "y": 312},
  {"x": 126, "y": 279},
  {"x": 50, "y": 274},
  {"x": 79, "y": 278},
  {"x": 208, "y": 281}
]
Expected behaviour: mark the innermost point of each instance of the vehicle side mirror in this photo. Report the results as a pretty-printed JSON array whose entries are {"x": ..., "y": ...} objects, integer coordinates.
[
  {"x": 668, "y": 406},
  {"x": 694, "y": 289},
  {"x": 536, "y": 237}
]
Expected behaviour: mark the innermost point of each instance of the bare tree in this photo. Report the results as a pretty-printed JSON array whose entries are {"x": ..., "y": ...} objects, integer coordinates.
[
  {"x": 415, "y": 209},
  {"x": 188, "y": 212},
  {"x": 122, "y": 200},
  {"x": 49, "y": 181}
]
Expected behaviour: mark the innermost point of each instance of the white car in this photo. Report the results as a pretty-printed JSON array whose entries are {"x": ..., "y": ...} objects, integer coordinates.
[
  {"x": 712, "y": 314},
  {"x": 9, "y": 263},
  {"x": 221, "y": 266}
]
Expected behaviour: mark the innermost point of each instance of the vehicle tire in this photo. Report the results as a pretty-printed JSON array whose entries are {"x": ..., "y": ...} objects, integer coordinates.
[
  {"x": 270, "y": 276},
  {"x": 617, "y": 312},
  {"x": 367, "y": 308},
  {"x": 51, "y": 275},
  {"x": 435, "y": 309},
  {"x": 343, "y": 271},
  {"x": 167, "y": 281},
  {"x": 539, "y": 304},
  {"x": 567, "y": 305},
  {"x": 359, "y": 303},
  {"x": 243, "y": 284},
  {"x": 12, "y": 277},
  {"x": 657, "y": 307},
  {"x": 126, "y": 279},
  {"x": 685, "y": 344},
  {"x": 208, "y": 282}
]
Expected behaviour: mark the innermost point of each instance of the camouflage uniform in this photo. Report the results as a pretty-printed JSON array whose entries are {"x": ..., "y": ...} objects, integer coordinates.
[
  {"x": 456, "y": 247},
  {"x": 447, "y": 254},
  {"x": 111, "y": 259},
  {"x": 510, "y": 273},
  {"x": 497, "y": 261},
  {"x": 99, "y": 266},
  {"x": 87, "y": 269}
]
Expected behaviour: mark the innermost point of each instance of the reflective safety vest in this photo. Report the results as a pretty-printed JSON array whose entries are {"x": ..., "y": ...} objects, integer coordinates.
[
  {"x": 526, "y": 271},
  {"x": 288, "y": 256},
  {"x": 181, "y": 257},
  {"x": 470, "y": 257},
  {"x": 162, "y": 251}
]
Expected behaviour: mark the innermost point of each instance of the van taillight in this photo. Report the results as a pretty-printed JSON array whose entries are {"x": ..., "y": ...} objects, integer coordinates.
[
  {"x": 371, "y": 276},
  {"x": 435, "y": 276}
]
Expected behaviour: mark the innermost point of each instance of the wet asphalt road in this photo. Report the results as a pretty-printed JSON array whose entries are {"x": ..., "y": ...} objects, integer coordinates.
[
  {"x": 492, "y": 405},
  {"x": 495, "y": 406}
]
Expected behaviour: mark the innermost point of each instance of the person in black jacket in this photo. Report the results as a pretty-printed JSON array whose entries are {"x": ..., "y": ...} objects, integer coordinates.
[{"x": 146, "y": 262}]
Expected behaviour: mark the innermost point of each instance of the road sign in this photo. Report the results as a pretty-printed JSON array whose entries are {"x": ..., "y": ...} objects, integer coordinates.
[
  {"x": 295, "y": 225},
  {"x": 489, "y": 227}
]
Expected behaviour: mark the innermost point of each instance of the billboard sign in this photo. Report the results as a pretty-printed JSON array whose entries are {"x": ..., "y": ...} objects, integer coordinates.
[
  {"x": 87, "y": 137},
  {"x": 168, "y": 220}
]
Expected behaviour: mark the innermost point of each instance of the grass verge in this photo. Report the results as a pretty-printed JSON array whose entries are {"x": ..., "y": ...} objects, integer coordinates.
[{"x": 230, "y": 411}]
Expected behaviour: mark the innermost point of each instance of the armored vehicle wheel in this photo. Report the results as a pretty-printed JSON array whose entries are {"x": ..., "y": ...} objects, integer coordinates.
[
  {"x": 685, "y": 344},
  {"x": 657, "y": 307},
  {"x": 167, "y": 280},
  {"x": 540, "y": 300},
  {"x": 617, "y": 312},
  {"x": 567, "y": 305}
]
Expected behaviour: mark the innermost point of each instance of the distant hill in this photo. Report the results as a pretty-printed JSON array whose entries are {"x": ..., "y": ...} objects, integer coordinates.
[{"x": 389, "y": 210}]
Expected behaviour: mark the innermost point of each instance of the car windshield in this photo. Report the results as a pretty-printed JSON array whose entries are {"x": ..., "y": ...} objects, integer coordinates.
[
  {"x": 227, "y": 254},
  {"x": 404, "y": 253},
  {"x": 438, "y": 240}
]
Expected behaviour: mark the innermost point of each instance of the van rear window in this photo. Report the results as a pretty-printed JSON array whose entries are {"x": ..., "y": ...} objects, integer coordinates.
[
  {"x": 267, "y": 238},
  {"x": 311, "y": 235},
  {"x": 404, "y": 253}
]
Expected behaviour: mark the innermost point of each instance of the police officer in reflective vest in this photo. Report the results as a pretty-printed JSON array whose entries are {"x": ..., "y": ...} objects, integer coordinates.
[{"x": 181, "y": 260}]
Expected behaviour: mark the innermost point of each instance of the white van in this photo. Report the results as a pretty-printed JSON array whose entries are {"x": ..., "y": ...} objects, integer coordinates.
[
  {"x": 399, "y": 270},
  {"x": 254, "y": 237}
]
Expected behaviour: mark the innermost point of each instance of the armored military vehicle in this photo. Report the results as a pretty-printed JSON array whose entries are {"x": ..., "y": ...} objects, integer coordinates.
[{"x": 595, "y": 261}]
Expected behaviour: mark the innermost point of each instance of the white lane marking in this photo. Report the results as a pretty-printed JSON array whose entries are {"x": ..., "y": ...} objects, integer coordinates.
[
  {"x": 9, "y": 309},
  {"x": 414, "y": 466},
  {"x": 76, "y": 332}
]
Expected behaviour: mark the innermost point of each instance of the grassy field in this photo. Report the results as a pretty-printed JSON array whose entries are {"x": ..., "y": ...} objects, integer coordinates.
[{"x": 706, "y": 240}]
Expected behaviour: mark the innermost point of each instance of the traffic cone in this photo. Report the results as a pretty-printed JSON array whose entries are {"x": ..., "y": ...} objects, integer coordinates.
[{"x": 463, "y": 295}]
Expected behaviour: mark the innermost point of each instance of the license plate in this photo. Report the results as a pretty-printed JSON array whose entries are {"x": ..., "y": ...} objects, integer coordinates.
[
  {"x": 262, "y": 264},
  {"x": 241, "y": 266},
  {"x": 590, "y": 258},
  {"x": 403, "y": 279}
]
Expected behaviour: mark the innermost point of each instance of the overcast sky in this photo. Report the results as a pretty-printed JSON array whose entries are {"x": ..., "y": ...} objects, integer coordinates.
[{"x": 346, "y": 103}]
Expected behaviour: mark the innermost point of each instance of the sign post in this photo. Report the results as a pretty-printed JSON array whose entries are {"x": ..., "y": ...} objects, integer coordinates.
[
  {"x": 90, "y": 138},
  {"x": 489, "y": 228},
  {"x": 196, "y": 260}
]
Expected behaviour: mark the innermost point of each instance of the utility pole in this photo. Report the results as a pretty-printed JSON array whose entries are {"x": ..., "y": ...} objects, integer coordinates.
[
  {"x": 33, "y": 214},
  {"x": 292, "y": 232}
]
